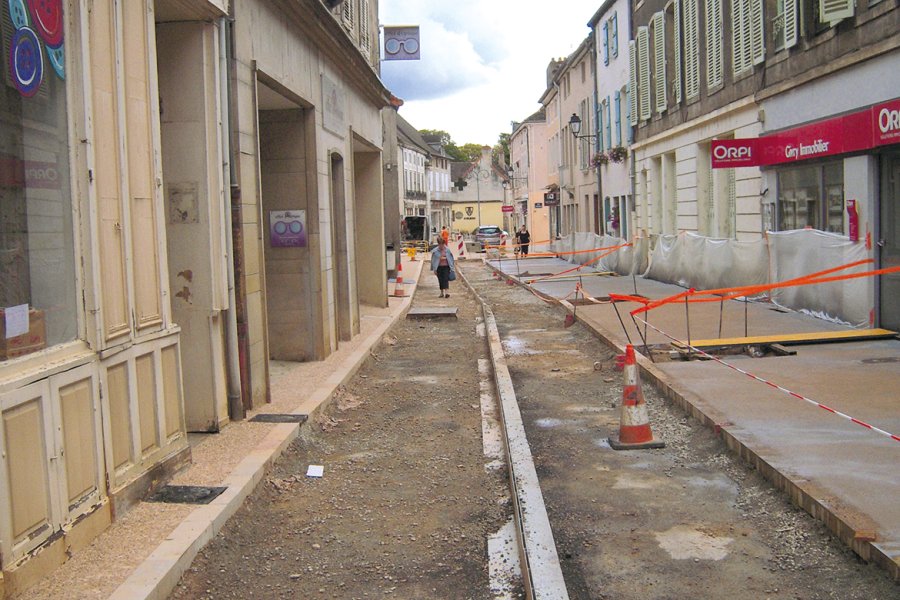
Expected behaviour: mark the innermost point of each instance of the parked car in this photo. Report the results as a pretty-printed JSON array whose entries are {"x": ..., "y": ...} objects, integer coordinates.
[{"x": 489, "y": 235}]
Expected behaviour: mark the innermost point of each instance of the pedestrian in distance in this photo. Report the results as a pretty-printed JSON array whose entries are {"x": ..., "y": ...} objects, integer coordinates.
[
  {"x": 445, "y": 234},
  {"x": 443, "y": 265},
  {"x": 523, "y": 238}
]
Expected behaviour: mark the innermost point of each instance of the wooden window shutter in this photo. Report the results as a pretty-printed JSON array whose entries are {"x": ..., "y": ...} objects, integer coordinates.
[
  {"x": 676, "y": 43},
  {"x": 364, "y": 33},
  {"x": 615, "y": 35},
  {"x": 643, "y": 60},
  {"x": 757, "y": 32},
  {"x": 691, "y": 50},
  {"x": 617, "y": 107},
  {"x": 832, "y": 11},
  {"x": 632, "y": 83},
  {"x": 659, "y": 60},
  {"x": 608, "y": 124},
  {"x": 605, "y": 43},
  {"x": 790, "y": 23},
  {"x": 628, "y": 112},
  {"x": 737, "y": 36},
  {"x": 348, "y": 14},
  {"x": 714, "y": 42}
]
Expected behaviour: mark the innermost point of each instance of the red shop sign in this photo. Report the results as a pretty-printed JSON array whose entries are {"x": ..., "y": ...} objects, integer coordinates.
[{"x": 875, "y": 126}]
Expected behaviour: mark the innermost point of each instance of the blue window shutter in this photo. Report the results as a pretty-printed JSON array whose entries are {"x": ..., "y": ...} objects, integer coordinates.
[
  {"x": 600, "y": 122},
  {"x": 608, "y": 124},
  {"x": 605, "y": 43},
  {"x": 615, "y": 35},
  {"x": 617, "y": 106}
]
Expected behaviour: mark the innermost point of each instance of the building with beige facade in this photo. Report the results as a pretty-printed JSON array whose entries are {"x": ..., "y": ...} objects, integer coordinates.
[
  {"x": 186, "y": 188},
  {"x": 528, "y": 173}
]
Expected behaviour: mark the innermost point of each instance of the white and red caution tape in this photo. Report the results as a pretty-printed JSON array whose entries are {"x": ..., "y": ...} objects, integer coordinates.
[{"x": 896, "y": 438}]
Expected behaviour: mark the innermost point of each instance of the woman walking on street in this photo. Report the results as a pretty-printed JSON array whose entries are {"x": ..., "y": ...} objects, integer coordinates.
[
  {"x": 443, "y": 265},
  {"x": 523, "y": 238}
]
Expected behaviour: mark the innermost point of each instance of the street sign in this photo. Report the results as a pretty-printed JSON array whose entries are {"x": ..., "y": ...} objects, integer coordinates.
[
  {"x": 507, "y": 208},
  {"x": 539, "y": 205}
]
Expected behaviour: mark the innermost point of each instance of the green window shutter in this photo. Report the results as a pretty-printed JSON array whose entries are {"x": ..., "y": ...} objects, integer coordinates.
[
  {"x": 608, "y": 125},
  {"x": 659, "y": 60},
  {"x": 691, "y": 50},
  {"x": 757, "y": 31},
  {"x": 676, "y": 42},
  {"x": 714, "y": 67},
  {"x": 629, "y": 134},
  {"x": 832, "y": 11},
  {"x": 790, "y": 23},
  {"x": 737, "y": 36},
  {"x": 605, "y": 43},
  {"x": 643, "y": 60},
  {"x": 632, "y": 83}
]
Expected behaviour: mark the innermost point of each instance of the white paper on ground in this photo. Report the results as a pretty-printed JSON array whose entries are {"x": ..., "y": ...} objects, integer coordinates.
[{"x": 315, "y": 471}]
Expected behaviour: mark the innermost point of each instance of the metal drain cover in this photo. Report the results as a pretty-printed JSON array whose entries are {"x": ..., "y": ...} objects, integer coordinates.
[
  {"x": 279, "y": 418},
  {"x": 186, "y": 494}
]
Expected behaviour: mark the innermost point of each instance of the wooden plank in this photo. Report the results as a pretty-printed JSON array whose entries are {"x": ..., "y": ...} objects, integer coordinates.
[{"x": 797, "y": 338}]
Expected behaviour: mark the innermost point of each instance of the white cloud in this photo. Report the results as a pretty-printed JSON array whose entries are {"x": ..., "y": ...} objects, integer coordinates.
[{"x": 483, "y": 63}]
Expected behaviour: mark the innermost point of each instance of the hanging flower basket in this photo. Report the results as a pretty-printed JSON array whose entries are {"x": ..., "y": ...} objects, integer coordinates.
[
  {"x": 600, "y": 159},
  {"x": 617, "y": 154}
]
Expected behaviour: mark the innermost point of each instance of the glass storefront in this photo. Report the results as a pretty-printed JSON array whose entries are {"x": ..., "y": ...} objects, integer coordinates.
[
  {"x": 812, "y": 196},
  {"x": 37, "y": 259}
]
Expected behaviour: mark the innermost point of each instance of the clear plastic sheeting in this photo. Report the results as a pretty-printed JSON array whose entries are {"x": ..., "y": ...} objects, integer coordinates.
[
  {"x": 624, "y": 261},
  {"x": 692, "y": 260},
  {"x": 803, "y": 251}
]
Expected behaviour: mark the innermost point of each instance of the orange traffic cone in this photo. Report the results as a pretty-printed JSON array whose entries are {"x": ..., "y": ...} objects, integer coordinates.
[
  {"x": 399, "y": 292},
  {"x": 634, "y": 424}
]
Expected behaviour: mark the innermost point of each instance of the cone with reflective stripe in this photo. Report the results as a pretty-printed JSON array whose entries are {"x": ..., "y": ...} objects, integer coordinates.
[
  {"x": 399, "y": 292},
  {"x": 634, "y": 424}
]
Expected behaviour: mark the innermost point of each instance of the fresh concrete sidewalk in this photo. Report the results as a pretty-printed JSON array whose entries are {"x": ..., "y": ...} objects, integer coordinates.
[
  {"x": 840, "y": 472},
  {"x": 143, "y": 554}
]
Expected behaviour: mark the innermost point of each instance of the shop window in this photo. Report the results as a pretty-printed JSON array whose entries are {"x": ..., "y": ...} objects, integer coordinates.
[
  {"x": 37, "y": 259},
  {"x": 812, "y": 196}
]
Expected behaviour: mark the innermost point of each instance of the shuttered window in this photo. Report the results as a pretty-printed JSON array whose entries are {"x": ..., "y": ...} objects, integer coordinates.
[
  {"x": 608, "y": 124},
  {"x": 691, "y": 50},
  {"x": 347, "y": 15},
  {"x": 643, "y": 62},
  {"x": 789, "y": 15},
  {"x": 628, "y": 112},
  {"x": 632, "y": 84},
  {"x": 676, "y": 43},
  {"x": 659, "y": 60},
  {"x": 617, "y": 111},
  {"x": 757, "y": 31},
  {"x": 364, "y": 33},
  {"x": 832, "y": 11},
  {"x": 714, "y": 67},
  {"x": 605, "y": 43},
  {"x": 614, "y": 43},
  {"x": 748, "y": 34}
]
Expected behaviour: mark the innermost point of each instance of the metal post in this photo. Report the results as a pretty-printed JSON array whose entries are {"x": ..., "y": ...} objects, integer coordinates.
[
  {"x": 625, "y": 329},
  {"x": 721, "y": 310},
  {"x": 687, "y": 317}
]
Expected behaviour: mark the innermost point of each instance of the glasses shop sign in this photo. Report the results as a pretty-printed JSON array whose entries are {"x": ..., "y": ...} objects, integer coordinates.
[{"x": 287, "y": 228}]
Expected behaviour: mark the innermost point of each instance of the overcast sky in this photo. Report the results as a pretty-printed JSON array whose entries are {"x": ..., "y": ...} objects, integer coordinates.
[{"x": 484, "y": 62}]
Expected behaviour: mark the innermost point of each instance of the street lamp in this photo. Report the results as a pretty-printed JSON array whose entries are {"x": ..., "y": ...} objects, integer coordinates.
[{"x": 575, "y": 127}]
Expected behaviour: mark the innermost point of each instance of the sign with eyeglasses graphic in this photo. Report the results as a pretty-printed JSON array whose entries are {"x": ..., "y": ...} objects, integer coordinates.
[
  {"x": 287, "y": 228},
  {"x": 401, "y": 43}
]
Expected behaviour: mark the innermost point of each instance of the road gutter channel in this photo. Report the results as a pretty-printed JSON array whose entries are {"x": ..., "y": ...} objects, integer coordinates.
[{"x": 541, "y": 572}]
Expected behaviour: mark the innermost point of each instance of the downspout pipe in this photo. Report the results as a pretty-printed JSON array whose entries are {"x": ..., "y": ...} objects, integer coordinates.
[{"x": 232, "y": 354}]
